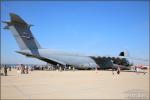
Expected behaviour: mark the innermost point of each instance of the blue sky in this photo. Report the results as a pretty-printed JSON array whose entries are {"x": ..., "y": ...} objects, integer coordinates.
[{"x": 92, "y": 28}]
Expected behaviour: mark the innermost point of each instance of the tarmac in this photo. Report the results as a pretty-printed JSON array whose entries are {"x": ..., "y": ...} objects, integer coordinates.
[{"x": 74, "y": 85}]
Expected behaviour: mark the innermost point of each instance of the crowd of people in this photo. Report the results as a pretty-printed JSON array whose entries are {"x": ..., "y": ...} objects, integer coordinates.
[{"x": 24, "y": 69}]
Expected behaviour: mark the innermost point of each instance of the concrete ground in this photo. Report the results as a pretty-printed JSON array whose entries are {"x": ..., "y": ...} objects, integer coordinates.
[{"x": 74, "y": 85}]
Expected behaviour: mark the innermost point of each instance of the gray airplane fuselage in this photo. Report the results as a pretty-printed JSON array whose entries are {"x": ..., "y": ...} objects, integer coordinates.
[{"x": 63, "y": 58}]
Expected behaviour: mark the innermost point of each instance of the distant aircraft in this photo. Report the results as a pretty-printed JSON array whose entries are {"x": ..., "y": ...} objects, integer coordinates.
[{"x": 31, "y": 48}]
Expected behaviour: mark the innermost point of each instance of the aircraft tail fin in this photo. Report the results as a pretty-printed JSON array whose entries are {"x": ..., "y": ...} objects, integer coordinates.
[
  {"x": 21, "y": 31},
  {"x": 124, "y": 54}
]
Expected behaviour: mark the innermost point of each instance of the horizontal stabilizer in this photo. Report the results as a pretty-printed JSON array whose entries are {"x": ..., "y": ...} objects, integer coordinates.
[
  {"x": 124, "y": 54},
  {"x": 16, "y": 19}
]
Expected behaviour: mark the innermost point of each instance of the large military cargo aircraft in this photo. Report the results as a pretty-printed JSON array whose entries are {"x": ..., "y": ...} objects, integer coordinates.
[{"x": 31, "y": 48}]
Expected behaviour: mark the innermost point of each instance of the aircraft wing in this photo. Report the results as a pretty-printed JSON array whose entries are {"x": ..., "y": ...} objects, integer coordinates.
[
  {"x": 54, "y": 60},
  {"x": 46, "y": 59}
]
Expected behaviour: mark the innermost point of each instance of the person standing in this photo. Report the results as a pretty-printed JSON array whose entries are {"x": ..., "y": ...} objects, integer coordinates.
[
  {"x": 60, "y": 69},
  {"x": 18, "y": 69},
  {"x": 10, "y": 68},
  {"x": 73, "y": 68},
  {"x": 118, "y": 70},
  {"x": 135, "y": 68},
  {"x": 57, "y": 66},
  {"x": 22, "y": 69},
  {"x": 96, "y": 69},
  {"x": 112, "y": 71},
  {"x": 27, "y": 69},
  {"x": 5, "y": 70}
]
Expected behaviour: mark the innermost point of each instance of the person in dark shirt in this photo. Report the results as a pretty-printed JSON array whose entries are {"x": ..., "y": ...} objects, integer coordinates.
[{"x": 5, "y": 70}]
